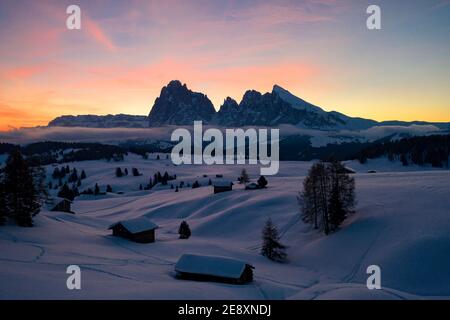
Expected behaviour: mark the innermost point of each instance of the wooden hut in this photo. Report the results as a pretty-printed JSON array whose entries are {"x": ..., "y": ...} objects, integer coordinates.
[
  {"x": 222, "y": 186},
  {"x": 213, "y": 268},
  {"x": 140, "y": 230},
  {"x": 63, "y": 205}
]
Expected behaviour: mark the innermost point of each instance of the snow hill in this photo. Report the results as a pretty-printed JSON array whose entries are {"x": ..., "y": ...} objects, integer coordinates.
[{"x": 402, "y": 224}]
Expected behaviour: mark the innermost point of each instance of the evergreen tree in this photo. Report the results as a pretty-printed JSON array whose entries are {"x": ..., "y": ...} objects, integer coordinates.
[
  {"x": 262, "y": 182},
  {"x": 244, "y": 178},
  {"x": 83, "y": 175},
  {"x": 39, "y": 177},
  {"x": 184, "y": 231},
  {"x": 209, "y": 182},
  {"x": 75, "y": 191},
  {"x": 328, "y": 196},
  {"x": 79, "y": 183},
  {"x": 109, "y": 189},
  {"x": 73, "y": 176},
  {"x": 56, "y": 173},
  {"x": 96, "y": 189},
  {"x": 165, "y": 178},
  {"x": 272, "y": 248},
  {"x": 195, "y": 185},
  {"x": 135, "y": 172},
  {"x": 66, "y": 192},
  {"x": 119, "y": 173},
  {"x": 157, "y": 157},
  {"x": 176, "y": 189},
  {"x": 21, "y": 199}
]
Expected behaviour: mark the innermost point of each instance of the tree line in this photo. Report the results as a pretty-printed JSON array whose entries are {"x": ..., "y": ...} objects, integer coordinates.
[{"x": 431, "y": 150}]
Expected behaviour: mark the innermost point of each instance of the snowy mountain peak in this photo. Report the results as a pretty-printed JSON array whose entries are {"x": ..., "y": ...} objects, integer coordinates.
[{"x": 295, "y": 101}]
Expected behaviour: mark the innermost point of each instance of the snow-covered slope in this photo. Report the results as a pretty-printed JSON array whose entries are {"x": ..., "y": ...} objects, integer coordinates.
[{"x": 401, "y": 224}]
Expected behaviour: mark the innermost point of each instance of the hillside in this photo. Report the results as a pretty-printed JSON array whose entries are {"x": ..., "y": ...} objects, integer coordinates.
[{"x": 401, "y": 224}]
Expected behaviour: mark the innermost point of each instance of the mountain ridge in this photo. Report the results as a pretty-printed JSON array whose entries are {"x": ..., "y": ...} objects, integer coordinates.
[{"x": 178, "y": 105}]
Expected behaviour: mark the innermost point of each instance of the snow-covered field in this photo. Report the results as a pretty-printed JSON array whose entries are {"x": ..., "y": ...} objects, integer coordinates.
[{"x": 402, "y": 224}]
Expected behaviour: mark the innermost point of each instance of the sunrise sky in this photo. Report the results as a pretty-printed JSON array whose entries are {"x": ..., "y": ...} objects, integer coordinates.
[{"x": 320, "y": 50}]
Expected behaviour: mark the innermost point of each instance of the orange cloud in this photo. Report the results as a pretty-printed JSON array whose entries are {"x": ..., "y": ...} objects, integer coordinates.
[{"x": 97, "y": 34}]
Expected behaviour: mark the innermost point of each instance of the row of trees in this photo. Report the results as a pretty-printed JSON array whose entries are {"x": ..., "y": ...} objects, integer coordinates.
[{"x": 22, "y": 190}]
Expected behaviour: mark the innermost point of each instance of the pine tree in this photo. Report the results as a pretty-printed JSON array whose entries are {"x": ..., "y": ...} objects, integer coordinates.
[
  {"x": 184, "y": 231},
  {"x": 56, "y": 173},
  {"x": 96, "y": 189},
  {"x": 272, "y": 248},
  {"x": 75, "y": 191},
  {"x": 195, "y": 185},
  {"x": 176, "y": 189},
  {"x": 83, "y": 175},
  {"x": 39, "y": 178},
  {"x": 79, "y": 183},
  {"x": 109, "y": 189},
  {"x": 165, "y": 178},
  {"x": 328, "y": 196},
  {"x": 66, "y": 192},
  {"x": 262, "y": 182},
  {"x": 119, "y": 173},
  {"x": 244, "y": 178},
  {"x": 21, "y": 199},
  {"x": 135, "y": 172}
]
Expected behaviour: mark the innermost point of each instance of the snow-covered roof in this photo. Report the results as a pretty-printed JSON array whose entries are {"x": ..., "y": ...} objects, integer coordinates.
[
  {"x": 136, "y": 225},
  {"x": 210, "y": 265},
  {"x": 349, "y": 170},
  {"x": 222, "y": 183}
]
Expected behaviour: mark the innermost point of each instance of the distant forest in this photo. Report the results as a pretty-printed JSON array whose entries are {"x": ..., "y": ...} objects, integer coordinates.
[
  {"x": 427, "y": 150},
  {"x": 431, "y": 150}
]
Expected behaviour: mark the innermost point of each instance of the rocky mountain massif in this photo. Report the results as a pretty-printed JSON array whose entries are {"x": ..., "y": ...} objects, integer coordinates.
[{"x": 178, "y": 105}]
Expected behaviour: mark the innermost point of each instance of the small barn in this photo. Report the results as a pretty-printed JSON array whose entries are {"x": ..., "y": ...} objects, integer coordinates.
[
  {"x": 140, "y": 230},
  {"x": 222, "y": 186},
  {"x": 213, "y": 268},
  {"x": 63, "y": 205}
]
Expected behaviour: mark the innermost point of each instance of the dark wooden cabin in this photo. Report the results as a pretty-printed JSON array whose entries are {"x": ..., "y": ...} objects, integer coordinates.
[
  {"x": 222, "y": 186},
  {"x": 140, "y": 230},
  {"x": 212, "y": 268},
  {"x": 63, "y": 205}
]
